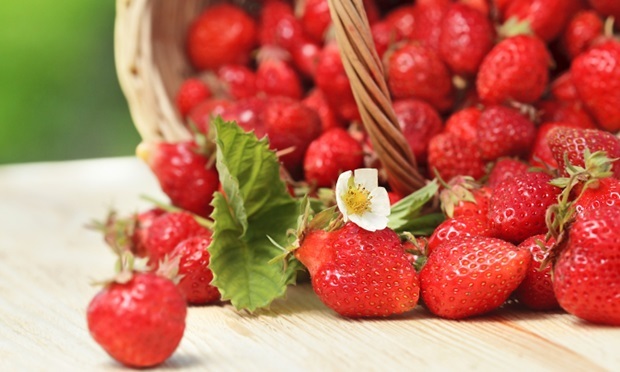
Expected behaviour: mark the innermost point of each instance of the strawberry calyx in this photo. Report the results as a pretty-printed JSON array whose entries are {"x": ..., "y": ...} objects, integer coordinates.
[
  {"x": 204, "y": 222},
  {"x": 458, "y": 189},
  {"x": 416, "y": 249},
  {"x": 117, "y": 232},
  {"x": 514, "y": 26}
]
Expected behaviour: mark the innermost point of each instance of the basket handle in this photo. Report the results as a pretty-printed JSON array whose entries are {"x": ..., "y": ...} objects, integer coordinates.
[{"x": 365, "y": 71}]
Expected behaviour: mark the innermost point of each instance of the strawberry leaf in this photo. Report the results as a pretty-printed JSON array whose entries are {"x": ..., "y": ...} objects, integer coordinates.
[
  {"x": 409, "y": 209},
  {"x": 254, "y": 211}
]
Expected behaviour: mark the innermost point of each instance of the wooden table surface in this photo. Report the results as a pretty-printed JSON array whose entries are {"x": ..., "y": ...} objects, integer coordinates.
[{"x": 48, "y": 260}]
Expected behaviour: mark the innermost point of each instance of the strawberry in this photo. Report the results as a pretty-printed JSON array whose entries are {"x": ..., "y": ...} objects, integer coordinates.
[
  {"x": 603, "y": 192},
  {"x": 471, "y": 275},
  {"x": 570, "y": 143},
  {"x": 196, "y": 277},
  {"x": 596, "y": 74},
  {"x": 546, "y": 18},
  {"x": 223, "y": 33},
  {"x": 401, "y": 21},
  {"x": 278, "y": 26},
  {"x": 275, "y": 77},
  {"x": 503, "y": 131},
  {"x": 191, "y": 92},
  {"x": 582, "y": 29},
  {"x": 238, "y": 81},
  {"x": 384, "y": 36},
  {"x": 606, "y": 7},
  {"x": 572, "y": 113},
  {"x": 463, "y": 123},
  {"x": 455, "y": 227},
  {"x": 586, "y": 272},
  {"x": 414, "y": 71},
  {"x": 201, "y": 115},
  {"x": 428, "y": 16},
  {"x": 183, "y": 173},
  {"x": 505, "y": 168},
  {"x": 541, "y": 155},
  {"x": 419, "y": 122},
  {"x": 140, "y": 321},
  {"x": 358, "y": 273},
  {"x": 536, "y": 290},
  {"x": 315, "y": 99},
  {"x": 518, "y": 206},
  {"x": 515, "y": 69},
  {"x": 305, "y": 57},
  {"x": 563, "y": 88},
  {"x": 466, "y": 37},
  {"x": 247, "y": 113},
  {"x": 334, "y": 152},
  {"x": 453, "y": 156}
]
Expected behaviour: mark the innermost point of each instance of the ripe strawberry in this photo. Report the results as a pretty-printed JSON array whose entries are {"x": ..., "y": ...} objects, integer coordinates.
[
  {"x": 586, "y": 272},
  {"x": 478, "y": 204},
  {"x": 401, "y": 21},
  {"x": 183, "y": 173},
  {"x": 167, "y": 231},
  {"x": 248, "y": 114},
  {"x": 466, "y": 37},
  {"x": 536, "y": 290},
  {"x": 483, "y": 6},
  {"x": 305, "y": 57},
  {"x": 275, "y": 77},
  {"x": 582, "y": 29},
  {"x": 315, "y": 99},
  {"x": 428, "y": 16},
  {"x": 596, "y": 74},
  {"x": 573, "y": 113},
  {"x": 278, "y": 25},
  {"x": 221, "y": 34},
  {"x": 572, "y": 142},
  {"x": 237, "y": 81},
  {"x": 606, "y": 7},
  {"x": 603, "y": 192},
  {"x": 419, "y": 122},
  {"x": 563, "y": 88},
  {"x": 518, "y": 206},
  {"x": 201, "y": 115},
  {"x": 503, "y": 131},
  {"x": 541, "y": 155},
  {"x": 359, "y": 273},
  {"x": 547, "y": 18},
  {"x": 464, "y": 123},
  {"x": 139, "y": 322},
  {"x": 515, "y": 69},
  {"x": 471, "y": 275},
  {"x": 455, "y": 227},
  {"x": 505, "y": 168},
  {"x": 191, "y": 92},
  {"x": 334, "y": 152},
  {"x": 453, "y": 156},
  {"x": 196, "y": 277},
  {"x": 385, "y": 36},
  {"x": 414, "y": 71}
]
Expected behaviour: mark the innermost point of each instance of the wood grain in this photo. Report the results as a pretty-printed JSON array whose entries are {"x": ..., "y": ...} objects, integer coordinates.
[{"x": 48, "y": 260}]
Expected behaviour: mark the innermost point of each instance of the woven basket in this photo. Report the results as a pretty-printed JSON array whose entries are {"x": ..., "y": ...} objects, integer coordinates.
[{"x": 151, "y": 65}]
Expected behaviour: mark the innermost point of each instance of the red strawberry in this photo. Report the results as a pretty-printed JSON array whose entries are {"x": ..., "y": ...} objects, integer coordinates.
[
  {"x": 278, "y": 25},
  {"x": 184, "y": 174},
  {"x": 275, "y": 77},
  {"x": 305, "y": 55},
  {"x": 471, "y": 275},
  {"x": 419, "y": 122},
  {"x": 515, "y": 69},
  {"x": 238, "y": 81},
  {"x": 196, "y": 277},
  {"x": 563, "y": 88},
  {"x": 518, "y": 206},
  {"x": 201, "y": 115},
  {"x": 587, "y": 271},
  {"x": 221, "y": 34},
  {"x": 547, "y": 18},
  {"x": 572, "y": 142},
  {"x": 536, "y": 290},
  {"x": 582, "y": 29},
  {"x": 428, "y": 16},
  {"x": 167, "y": 231},
  {"x": 483, "y": 6},
  {"x": 606, "y": 7},
  {"x": 505, "y": 168},
  {"x": 464, "y": 123},
  {"x": 139, "y": 322},
  {"x": 541, "y": 155},
  {"x": 572, "y": 113},
  {"x": 359, "y": 273},
  {"x": 334, "y": 152},
  {"x": 130, "y": 233},
  {"x": 502, "y": 131},
  {"x": 466, "y": 37},
  {"x": 596, "y": 74},
  {"x": 316, "y": 100},
  {"x": 453, "y": 156},
  {"x": 384, "y": 36},
  {"x": 415, "y": 71},
  {"x": 190, "y": 94},
  {"x": 401, "y": 21},
  {"x": 452, "y": 228},
  {"x": 603, "y": 192},
  {"x": 479, "y": 205},
  {"x": 247, "y": 113}
]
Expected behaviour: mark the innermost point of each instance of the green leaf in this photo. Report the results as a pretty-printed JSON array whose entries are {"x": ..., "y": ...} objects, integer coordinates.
[
  {"x": 254, "y": 208},
  {"x": 405, "y": 212}
]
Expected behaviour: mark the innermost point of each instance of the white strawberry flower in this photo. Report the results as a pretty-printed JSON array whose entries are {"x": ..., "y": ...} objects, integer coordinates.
[{"x": 361, "y": 200}]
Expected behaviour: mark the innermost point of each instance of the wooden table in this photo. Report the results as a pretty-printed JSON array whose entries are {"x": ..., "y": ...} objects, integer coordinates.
[{"x": 48, "y": 260}]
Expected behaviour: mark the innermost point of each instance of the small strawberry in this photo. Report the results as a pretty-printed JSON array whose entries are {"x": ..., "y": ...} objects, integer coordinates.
[
  {"x": 582, "y": 29},
  {"x": 572, "y": 113},
  {"x": 428, "y": 16},
  {"x": 278, "y": 26},
  {"x": 466, "y": 37},
  {"x": 200, "y": 117},
  {"x": 358, "y": 273},
  {"x": 453, "y": 156},
  {"x": 606, "y": 7},
  {"x": 334, "y": 152},
  {"x": 139, "y": 321},
  {"x": 503, "y": 131},
  {"x": 563, "y": 88},
  {"x": 464, "y": 123},
  {"x": 275, "y": 77},
  {"x": 596, "y": 74},
  {"x": 401, "y": 20},
  {"x": 547, "y": 18},
  {"x": 247, "y": 113},
  {"x": 518, "y": 206},
  {"x": 415, "y": 71},
  {"x": 505, "y": 168},
  {"x": 238, "y": 81},
  {"x": 196, "y": 277},
  {"x": 305, "y": 57},
  {"x": 516, "y": 69},
  {"x": 587, "y": 271},
  {"x": 315, "y": 99},
  {"x": 419, "y": 122},
  {"x": 536, "y": 290},
  {"x": 223, "y": 33},
  {"x": 191, "y": 92},
  {"x": 471, "y": 275},
  {"x": 183, "y": 173}
]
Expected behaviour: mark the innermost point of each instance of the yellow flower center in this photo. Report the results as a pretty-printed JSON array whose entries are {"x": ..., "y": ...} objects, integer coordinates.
[{"x": 357, "y": 200}]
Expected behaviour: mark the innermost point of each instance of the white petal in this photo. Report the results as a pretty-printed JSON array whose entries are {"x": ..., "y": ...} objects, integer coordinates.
[
  {"x": 380, "y": 202},
  {"x": 367, "y": 177},
  {"x": 370, "y": 221},
  {"x": 341, "y": 189}
]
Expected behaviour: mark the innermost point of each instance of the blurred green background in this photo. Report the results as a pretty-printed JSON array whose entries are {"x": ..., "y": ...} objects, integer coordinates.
[{"x": 59, "y": 95}]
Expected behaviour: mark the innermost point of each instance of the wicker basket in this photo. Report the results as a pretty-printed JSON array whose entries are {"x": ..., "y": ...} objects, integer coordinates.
[{"x": 151, "y": 64}]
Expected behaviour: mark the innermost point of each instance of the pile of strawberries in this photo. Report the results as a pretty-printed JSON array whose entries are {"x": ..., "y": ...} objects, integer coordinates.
[{"x": 512, "y": 105}]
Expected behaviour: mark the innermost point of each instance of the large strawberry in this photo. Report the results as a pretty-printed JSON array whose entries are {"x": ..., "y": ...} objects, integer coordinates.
[
  {"x": 359, "y": 273},
  {"x": 451, "y": 156},
  {"x": 455, "y": 227},
  {"x": 191, "y": 92},
  {"x": 587, "y": 271},
  {"x": 596, "y": 74},
  {"x": 471, "y": 275},
  {"x": 516, "y": 69}
]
